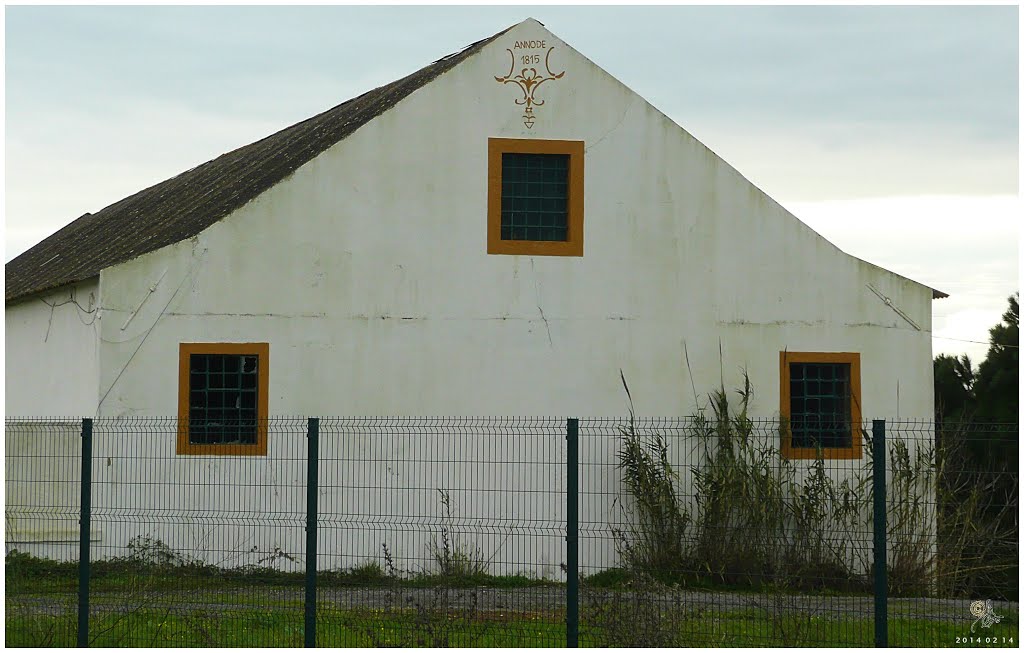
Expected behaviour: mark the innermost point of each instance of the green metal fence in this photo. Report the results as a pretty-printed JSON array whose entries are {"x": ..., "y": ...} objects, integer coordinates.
[{"x": 479, "y": 532}]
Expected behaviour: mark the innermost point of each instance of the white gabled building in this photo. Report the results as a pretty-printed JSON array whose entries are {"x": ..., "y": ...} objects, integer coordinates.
[{"x": 499, "y": 233}]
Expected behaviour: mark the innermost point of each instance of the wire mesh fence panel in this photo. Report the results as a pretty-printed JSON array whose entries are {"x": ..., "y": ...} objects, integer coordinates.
[
  {"x": 952, "y": 533},
  {"x": 453, "y": 532},
  {"x": 42, "y": 468},
  {"x": 202, "y": 549},
  {"x": 703, "y": 532},
  {"x": 441, "y": 532}
]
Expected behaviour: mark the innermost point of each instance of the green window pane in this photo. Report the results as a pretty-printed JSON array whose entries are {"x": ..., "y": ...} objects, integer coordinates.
[
  {"x": 819, "y": 405},
  {"x": 223, "y": 390},
  {"x": 534, "y": 199}
]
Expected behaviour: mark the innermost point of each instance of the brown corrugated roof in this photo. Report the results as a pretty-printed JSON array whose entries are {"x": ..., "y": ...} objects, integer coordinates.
[{"x": 185, "y": 205}]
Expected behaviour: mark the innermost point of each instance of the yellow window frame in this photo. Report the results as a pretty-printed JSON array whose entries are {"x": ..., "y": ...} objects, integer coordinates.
[
  {"x": 573, "y": 245},
  {"x": 185, "y": 350},
  {"x": 855, "y": 450}
]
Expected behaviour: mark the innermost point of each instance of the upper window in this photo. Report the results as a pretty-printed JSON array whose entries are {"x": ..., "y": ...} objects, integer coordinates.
[
  {"x": 820, "y": 404},
  {"x": 222, "y": 398},
  {"x": 535, "y": 197}
]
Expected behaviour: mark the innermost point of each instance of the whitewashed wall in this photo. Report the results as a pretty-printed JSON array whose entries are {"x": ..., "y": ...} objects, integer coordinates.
[
  {"x": 367, "y": 273},
  {"x": 52, "y": 353},
  {"x": 42, "y": 488}
]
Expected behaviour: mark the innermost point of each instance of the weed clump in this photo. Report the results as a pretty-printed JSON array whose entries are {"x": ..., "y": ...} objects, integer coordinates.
[
  {"x": 453, "y": 557},
  {"x": 754, "y": 519},
  {"x": 657, "y": 521}
]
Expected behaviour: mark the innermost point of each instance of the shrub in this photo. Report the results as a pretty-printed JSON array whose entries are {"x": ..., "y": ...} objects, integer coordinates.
[
  {"x": 951, "y": 527},
  {"x": 752, "y": 523}
]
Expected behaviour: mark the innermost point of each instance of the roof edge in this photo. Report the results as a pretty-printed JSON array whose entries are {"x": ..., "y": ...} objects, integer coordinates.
[
  {"x": 36, "y": 294},
  {"x": 279, "y": 155}
]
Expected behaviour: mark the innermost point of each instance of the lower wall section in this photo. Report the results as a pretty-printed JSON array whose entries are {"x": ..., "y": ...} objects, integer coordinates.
[
  {"x": 409, "y": 496},
  {"x": 418, "y": 493},
  {"x": 42, "y": 474}
]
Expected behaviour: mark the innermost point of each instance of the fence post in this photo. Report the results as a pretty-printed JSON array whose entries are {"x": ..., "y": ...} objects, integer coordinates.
[
  {"x": 572, "y": 564},
  {"x": 881, "y": 581},
  {"x": 312, "y": 460},
  {"x": 84, "y": 521}
]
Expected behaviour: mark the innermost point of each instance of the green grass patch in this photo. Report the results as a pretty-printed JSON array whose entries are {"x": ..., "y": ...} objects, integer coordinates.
[
  {"x": 160, "y": 628},
  {"x": 257, "y": 606},
  {"x": 335, "y": 628},
  {"x": 612, "y": 578},
  {"x": 26, "y": 574},
  {"x": 622, "y": 627},
  {"x": 200, "y": 626}
]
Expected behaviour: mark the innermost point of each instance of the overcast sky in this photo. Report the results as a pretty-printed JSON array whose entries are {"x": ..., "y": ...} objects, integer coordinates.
[{"x": 892, "y": 131}]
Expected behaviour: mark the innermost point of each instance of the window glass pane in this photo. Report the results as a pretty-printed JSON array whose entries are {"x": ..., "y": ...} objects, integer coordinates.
[
  {"x": 819, "y": 405},
  {"x": 223, "y": 391},
  {"x": 534, "y": 197}
]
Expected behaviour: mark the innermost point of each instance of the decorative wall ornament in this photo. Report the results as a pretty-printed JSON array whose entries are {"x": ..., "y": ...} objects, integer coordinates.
[{"x": 528, "y": 79}]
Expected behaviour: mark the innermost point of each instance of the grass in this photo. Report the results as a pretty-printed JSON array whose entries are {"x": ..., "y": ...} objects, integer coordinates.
[
  {"x": 263, "y": 607},
  {"x": 28, "y": 574},
  {"x": 284, "y": 628},
  {"x": 409, "y": 628},
  {"x": 745, "y": 628},
  {"x": 158, "y": 628}
]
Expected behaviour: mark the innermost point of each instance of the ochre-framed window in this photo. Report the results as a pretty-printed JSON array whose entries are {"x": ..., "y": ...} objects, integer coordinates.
[
  {"x": 534, "y": 197},
  {"x": 222, "y": 398},
  {"x": 820, "y": 404}
]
